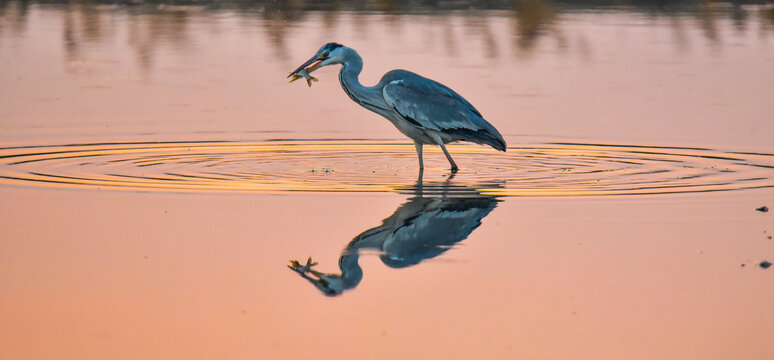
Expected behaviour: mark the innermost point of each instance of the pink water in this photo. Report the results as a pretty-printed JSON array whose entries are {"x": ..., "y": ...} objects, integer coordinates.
[{"x": 157, "y": 174}]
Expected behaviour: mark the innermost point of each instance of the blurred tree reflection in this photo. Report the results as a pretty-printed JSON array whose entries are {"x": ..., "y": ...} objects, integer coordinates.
[
  {"x": 154, "y": 24},
  {"x": 766, "y": 18},
  {"x": 533, "y": 19},
  {"x": 708, "y": 22},
  {"x": 13, "y": 17},
  {"x": 169, "y": 26}
]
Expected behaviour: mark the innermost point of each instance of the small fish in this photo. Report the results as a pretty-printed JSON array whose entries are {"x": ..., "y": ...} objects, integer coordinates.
[{"x": 305, "y": 74}]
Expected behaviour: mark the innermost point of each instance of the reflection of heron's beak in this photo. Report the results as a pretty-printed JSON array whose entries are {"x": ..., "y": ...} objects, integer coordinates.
[{"x": 310, "y": 65}]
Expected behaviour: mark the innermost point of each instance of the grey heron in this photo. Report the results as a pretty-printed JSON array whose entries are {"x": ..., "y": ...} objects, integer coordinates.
[{"x": 426, "y": 111}]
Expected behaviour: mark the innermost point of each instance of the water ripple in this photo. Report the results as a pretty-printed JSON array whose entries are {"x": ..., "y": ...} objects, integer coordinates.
[{"x": 553, "y": 169}]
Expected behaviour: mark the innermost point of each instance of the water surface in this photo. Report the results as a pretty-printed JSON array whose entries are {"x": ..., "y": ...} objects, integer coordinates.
[
  {"x": 158, "y": 173},
  {"x": 556, "y": 169}
]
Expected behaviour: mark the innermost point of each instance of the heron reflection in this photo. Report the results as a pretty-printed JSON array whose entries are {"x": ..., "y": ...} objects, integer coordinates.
[{"x": 424, "y": 227}]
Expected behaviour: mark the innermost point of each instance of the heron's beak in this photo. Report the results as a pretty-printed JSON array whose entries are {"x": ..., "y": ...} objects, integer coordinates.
[{"x": 310, "y": 65}]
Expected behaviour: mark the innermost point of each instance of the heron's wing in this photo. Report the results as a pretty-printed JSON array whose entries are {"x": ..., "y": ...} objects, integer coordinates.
[{"x": 430, "y": 104}]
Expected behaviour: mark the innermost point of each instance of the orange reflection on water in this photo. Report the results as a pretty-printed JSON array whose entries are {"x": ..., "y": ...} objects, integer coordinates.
[{"x": 378, "y": 166}]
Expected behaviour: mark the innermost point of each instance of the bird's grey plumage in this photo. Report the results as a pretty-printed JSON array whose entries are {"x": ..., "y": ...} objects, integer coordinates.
[
  {"x": 433, "y": 106},
  {"x": 426, "y": 111}
]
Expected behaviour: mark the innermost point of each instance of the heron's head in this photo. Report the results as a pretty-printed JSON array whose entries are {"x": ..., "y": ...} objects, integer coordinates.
[
  {"x": 329, "y": 54},
  {"x": 330, "y": 284}
]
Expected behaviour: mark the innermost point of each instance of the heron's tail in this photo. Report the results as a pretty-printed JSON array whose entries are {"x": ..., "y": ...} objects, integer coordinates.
[
  {"x": 499, "y": 144},
  {"x": 493, "y": 139},
  {"x": 483, "y": 137}
]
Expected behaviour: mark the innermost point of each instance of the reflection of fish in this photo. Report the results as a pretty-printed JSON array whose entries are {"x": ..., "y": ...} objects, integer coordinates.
[
  {"x": 420, "y": 229},
  {"x": 305, "y": 74}
]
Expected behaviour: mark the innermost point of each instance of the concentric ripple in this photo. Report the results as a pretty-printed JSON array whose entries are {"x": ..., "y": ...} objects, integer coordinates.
[{"x": 554, "y": 169}]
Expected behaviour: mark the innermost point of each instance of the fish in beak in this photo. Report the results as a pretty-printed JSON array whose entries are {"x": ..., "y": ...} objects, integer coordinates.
[
  {"x": 305, "y": 74},
  {"x": 304, "y": 70}
]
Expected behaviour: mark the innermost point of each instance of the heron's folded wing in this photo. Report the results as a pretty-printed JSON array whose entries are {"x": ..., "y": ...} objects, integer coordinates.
[{"x": 430, "y": 105}]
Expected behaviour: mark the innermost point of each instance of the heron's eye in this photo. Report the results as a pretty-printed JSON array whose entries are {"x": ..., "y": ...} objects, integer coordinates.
[{"x": 325, "y": 54}]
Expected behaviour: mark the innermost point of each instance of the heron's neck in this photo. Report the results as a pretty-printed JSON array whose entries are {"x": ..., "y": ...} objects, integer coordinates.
[
  {"x": 369, "y": 97},
  {"x": 351, "y": 273}
]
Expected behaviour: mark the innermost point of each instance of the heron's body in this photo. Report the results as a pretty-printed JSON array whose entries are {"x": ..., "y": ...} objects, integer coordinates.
[{"x": 422, "y": 109}]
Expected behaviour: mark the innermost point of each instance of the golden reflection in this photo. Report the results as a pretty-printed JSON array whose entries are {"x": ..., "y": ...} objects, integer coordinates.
[
  {"x": 422, "y": 228},
  {"x": 379, "y": 166}
]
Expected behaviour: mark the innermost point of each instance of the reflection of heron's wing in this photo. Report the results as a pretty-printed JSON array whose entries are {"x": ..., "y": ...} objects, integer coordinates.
[
  {"x": 375, "y": 237},
  {"x": 434, "y": 230}
]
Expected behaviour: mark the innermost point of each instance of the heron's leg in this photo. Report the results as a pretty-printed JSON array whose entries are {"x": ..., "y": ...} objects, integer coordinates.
[
  {"x": 454, "y": 167},
  {"x": 418, "y": 146}
]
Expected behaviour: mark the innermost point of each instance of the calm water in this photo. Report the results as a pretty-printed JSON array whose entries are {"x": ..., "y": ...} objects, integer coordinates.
[{"x": 163, "y": 185}]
